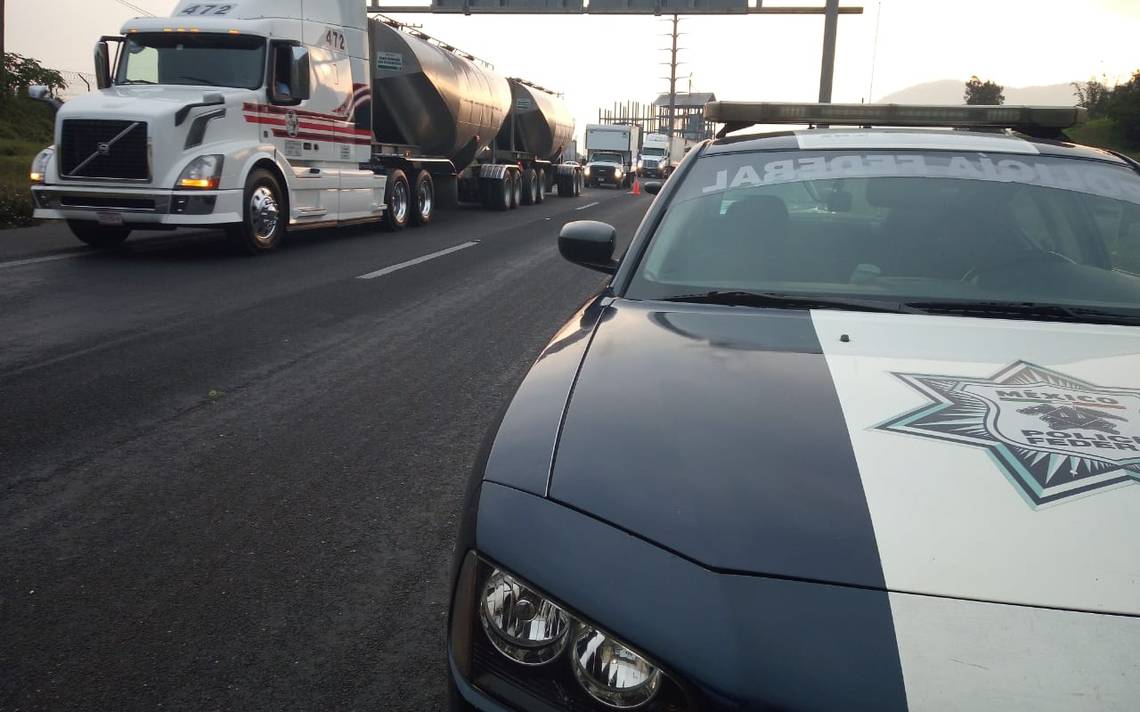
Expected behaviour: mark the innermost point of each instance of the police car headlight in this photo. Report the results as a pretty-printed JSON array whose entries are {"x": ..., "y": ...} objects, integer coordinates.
[
  {"x": 203, "y": 173},
  {"x": 40, "y": 165},
  {"x": 610, "y": 672},
  {"x": 521, "y": 624}
]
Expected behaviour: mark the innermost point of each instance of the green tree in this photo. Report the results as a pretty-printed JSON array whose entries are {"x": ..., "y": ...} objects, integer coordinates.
[
  {"x": 1094, "y": 95},
  {"x": 22, "y": 72},
  {"x": 984, "y": 92},
  {"x": 1124, "y": 108}
]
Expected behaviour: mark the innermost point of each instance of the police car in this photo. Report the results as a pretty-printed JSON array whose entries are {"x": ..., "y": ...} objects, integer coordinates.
[{"x": 856, "y": 426}]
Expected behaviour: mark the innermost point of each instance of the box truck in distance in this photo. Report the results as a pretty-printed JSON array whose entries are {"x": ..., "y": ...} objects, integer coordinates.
[
  {"x": 611, "y": 150},
  {"x": 264, "y": 116}
]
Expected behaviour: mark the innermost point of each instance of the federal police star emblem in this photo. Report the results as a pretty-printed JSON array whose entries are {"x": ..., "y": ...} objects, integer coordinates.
[{"x": 1054, "y": 436}]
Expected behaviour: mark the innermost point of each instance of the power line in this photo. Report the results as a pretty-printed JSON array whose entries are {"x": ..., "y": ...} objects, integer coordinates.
[{"x": 134, "y": 7}]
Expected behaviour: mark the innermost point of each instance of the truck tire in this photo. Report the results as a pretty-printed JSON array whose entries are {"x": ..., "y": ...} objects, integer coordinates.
[
  {"x": 565, "y": 186},
  {"x": 529, "y": 187},
  {"x": 540, "y": 189},
  {"x": 97, "y": 235},
  {"x": 423, "y": 200},
  {"x": 264, "y": 215},
  {"x": 397, "y": 201},
  {"x": 501, "y": 194},
  {"x": 516, "y": 190}
]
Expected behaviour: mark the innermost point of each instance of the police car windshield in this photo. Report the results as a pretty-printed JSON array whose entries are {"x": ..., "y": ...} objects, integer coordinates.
[
  {"x": 198, "y": 60},
  {"x": 972, "y": 233}
]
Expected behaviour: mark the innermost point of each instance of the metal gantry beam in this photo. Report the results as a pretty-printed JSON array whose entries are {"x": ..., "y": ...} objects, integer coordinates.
[{"x": 572, "y": 7}]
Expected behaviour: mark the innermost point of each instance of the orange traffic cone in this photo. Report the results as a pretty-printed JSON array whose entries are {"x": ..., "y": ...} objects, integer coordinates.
[{"x": 636, "y": 186}]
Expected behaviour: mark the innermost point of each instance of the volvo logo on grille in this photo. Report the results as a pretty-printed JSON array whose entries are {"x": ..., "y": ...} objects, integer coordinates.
[{"x": 104, "y": 148}]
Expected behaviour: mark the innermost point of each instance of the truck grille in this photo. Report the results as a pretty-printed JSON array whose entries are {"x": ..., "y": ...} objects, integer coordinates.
[{"x": 104, "y": 149}]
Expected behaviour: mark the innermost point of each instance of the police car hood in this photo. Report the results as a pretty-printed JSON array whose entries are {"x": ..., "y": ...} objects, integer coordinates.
[{"x": 978, "y": 459}]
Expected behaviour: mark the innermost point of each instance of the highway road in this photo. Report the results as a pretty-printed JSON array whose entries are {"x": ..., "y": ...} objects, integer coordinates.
[{"x": 233, "y": 483}]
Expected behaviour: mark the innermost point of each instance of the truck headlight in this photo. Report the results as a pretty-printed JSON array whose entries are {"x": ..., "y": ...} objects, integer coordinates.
[
  {"x": 587, "y": 171},
  {"x": 203, "y": 173},
  {"x": 641, "y": 164},
  {"x": 521, "y": 624},
  {"x": 40, "y": 165},
  {"x": 617, "y": 173},
  {"x": 610, "y": 672}
]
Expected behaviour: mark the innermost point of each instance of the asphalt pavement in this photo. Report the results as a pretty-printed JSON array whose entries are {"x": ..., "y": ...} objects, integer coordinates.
[{"x": 232, "y": 483}]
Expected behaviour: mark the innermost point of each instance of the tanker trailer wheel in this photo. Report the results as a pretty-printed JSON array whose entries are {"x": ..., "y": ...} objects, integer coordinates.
[
  {"x": 398, "y": 199},
  {"x": 264, "y": 217},
  {"x": 501, "y": 192},
  {"x": 529, "y": 187},
  {"x": 424, "y": 195},
  {"x": 540, "y": 187},
  {"x": 98, "y": 236},
  {"x": 565, "y": 186},
  {"x": 516, "y": 190}
]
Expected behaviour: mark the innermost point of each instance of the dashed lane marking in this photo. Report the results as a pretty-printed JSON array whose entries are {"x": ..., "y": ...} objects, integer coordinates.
[{"x": 416, "y": 261}]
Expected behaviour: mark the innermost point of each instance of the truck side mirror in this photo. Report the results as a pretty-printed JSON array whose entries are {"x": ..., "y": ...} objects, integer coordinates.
[
  {"x": 102, "y": 64},
  {"x": 590, "y": 244},
  {"x": 299, "y": 74},
  {"x": 289, "y": 81}
]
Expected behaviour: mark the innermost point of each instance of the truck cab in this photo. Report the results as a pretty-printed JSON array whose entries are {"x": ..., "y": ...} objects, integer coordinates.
[
  {"x": 254, "y": 117},
  {"x": 654, "y": 160}
]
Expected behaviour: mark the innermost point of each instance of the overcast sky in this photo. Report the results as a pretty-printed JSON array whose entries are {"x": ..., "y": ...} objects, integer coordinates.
[{"x": 596, "y": 61}]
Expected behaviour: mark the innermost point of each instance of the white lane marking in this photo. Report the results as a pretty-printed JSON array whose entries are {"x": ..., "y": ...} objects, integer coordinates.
[
  {"x": 588, "y": 205},
  {"x": 416, "y": 261},
  {"x": 37, "y": 260}
]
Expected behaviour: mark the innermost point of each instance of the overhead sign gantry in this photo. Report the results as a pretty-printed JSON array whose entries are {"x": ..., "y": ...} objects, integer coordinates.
[{"x": 831, "y": 11}]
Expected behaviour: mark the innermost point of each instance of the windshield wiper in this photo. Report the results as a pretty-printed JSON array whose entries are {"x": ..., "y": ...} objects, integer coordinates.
[
  {"x": 1033, "y": 311},
  {"x": 137, "y": 81},
  {"x": 792, "y": 301}
]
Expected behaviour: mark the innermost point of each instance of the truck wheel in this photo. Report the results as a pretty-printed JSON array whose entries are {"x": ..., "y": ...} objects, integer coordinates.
[
  {"x": 501, "y": 194},
  {"x": 516, "y": 190},
  {"x": 565, "y": 188},
  {"x": 424, "y": 199},
  {"x": 540, "y": 187},
  {"x": 529, "y": 187},
  {"x": 97, "y": 235},
  {"x": 263, "y": 217},
  {"x": 398, "y": 199}
]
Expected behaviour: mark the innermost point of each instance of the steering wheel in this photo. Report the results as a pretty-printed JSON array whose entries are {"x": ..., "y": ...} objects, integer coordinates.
[{"x": 1018, "y": 257}]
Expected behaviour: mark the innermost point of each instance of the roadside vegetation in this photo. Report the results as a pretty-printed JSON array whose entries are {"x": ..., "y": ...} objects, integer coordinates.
[
  {"x": 1114, "y": 115},
  {"x": 26, "y": 127}
]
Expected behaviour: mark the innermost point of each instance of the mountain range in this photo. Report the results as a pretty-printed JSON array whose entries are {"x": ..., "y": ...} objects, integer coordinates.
[{"x": 950, "y": 91}]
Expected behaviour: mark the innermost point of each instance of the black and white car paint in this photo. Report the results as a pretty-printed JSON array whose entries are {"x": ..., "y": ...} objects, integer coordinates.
[{"x": 823, "y": 509}]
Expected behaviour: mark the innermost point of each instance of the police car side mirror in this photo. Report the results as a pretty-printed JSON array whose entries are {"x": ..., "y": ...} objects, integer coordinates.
[
  {"x": 590, "y": 244},
  {"x": 653, "y": 187}
]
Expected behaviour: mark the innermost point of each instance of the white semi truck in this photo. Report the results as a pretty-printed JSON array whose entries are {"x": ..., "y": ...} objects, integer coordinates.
[
  {"x": 611, "y": 150},
  {"x": 262, "y": 116},
  {"x": 660, "y": 155}
]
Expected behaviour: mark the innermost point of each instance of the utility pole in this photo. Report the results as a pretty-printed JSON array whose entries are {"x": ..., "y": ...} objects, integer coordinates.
[
  {"x": 673, "y": 82},
  {"x": 3, "y": 64},
  {"x": 827, "y": 73}
]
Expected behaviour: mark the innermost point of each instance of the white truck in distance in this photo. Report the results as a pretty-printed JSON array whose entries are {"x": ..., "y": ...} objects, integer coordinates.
[
  {"x": 660, "y": 155},
  {"x": 611, "y": 151},
  {"x": 262, "y": 116}
]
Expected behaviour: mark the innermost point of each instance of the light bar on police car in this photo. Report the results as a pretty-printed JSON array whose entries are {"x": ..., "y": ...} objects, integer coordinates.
[{"x": 1029, "y": 119}]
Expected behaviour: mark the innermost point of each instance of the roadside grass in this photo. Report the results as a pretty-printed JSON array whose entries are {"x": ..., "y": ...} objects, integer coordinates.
[
  {"x": 26, "y": 128},
  {"x": 1102, "y": 133}
]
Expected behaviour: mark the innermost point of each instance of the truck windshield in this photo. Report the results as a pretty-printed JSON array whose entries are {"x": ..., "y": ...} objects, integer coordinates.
[
  {"x": 653, "y": 151},
  {"x": 985, "y": 233},
  {"x": 608, "y": 157},
  {"x": 198, "y": 60}
]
